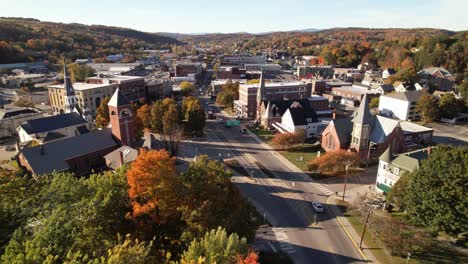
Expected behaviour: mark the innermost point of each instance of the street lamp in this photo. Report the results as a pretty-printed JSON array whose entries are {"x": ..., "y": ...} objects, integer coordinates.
[
  {"x": 365, "y": 226},
  {"x": 345, "y": 180}
]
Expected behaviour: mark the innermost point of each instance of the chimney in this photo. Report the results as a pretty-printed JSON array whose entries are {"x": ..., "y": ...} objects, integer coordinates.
[
  {"x": 42, "y": 150},
  {"x": 121, "y": 158}
]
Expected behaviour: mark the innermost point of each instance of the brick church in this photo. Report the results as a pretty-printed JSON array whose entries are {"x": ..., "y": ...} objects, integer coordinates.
[{"x": 86, "y": 153}]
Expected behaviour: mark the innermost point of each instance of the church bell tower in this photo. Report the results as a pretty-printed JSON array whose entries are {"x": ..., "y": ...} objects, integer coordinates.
[{"x": 122, "y": 119}]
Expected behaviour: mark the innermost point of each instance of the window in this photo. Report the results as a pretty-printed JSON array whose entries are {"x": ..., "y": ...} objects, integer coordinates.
[
  {"x": 396, "y": 171},
  {"x": 385, "y": 181},
  {"x": 384, "y": 166}
]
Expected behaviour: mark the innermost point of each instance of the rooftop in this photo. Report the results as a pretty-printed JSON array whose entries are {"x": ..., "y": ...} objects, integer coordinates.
[
  {"x": 273, "y": 84},
  {"x": 51, "y": 123},
  {"x": 411, "y": 96},
  {"x": 80, "y": 86},
  {"x": 54, "y": 155}
]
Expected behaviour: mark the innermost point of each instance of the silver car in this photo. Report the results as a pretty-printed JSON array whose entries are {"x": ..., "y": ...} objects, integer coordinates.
[{"x": 318, "y": 207}]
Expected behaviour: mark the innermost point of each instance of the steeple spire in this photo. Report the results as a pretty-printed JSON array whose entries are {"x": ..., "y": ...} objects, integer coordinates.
[
  {"x": 69, "y": 91},
  {"x": 71, "y": 101},
  {"x": 363, "y": 114}
]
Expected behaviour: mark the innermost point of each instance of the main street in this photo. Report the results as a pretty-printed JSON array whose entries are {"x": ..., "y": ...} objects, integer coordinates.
[{"x": 281, "y": 194}]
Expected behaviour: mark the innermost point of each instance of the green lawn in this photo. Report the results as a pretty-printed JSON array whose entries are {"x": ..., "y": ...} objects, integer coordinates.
[
  {"x": 306, "y": 151},
  {"x": 263, "y": 134},
  {"x": 436, "y": 253}
]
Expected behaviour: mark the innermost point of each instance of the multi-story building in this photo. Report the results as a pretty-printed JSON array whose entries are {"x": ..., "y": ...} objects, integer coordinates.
[
  {"x": 400, "y": 105},
  {"x": 133, "y": 87},
  {"x": 267, "y": 67},
  {"x": 246, "y": 106},
  {"x": 187, "y": 69},
  {"x": 391, "y": 167},
  {"x": 88, "y": 95},
  {"x": 118, "y": 68},
  {"x": 217, "y": 85},
  {"x": 230, "y": 72},
  {"x": 437, "y": 78},
  {"x": 242, "y": 60},
  {"x": 158, "y": 88}
]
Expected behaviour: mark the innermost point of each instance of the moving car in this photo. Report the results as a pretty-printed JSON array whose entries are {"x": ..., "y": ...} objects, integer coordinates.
[
  {"x": 243, "y": 130},
  {"x": 318, "y": 207}
]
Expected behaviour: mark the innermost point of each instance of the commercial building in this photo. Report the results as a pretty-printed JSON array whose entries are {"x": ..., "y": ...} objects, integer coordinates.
[
  {"x": 217, "y": 85},
  {"x": 400, "y": 105},
  {"x": 243, "y": 59},
  {"x": 246, "y": 106},
  {"x": 267, "y": 67},
  {"x": 230, "y": 72},
  {"x": 118, "y": 68},
  {"x": 133, "y": 87},
  {"x": 88, "y": 96},
  {"x": 187, "y": 69}
]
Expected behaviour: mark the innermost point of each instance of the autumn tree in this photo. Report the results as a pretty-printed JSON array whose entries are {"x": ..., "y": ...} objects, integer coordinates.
[
  {"x": 211, "y": 200},
  {"x": 435, "y": 195},
  {"x": 194, "y": 115},
  {"x": 187, "y": 88},
  {"x": 165, "y": 120},
  {"x": 335, "y": 161},
  {"x": 288, "y": 140},
  {"x": 407, "y": 72},
  {"x": 153, "y": 187},
  {"x": 450, "y": 106},
  {"x": 374, "y": 102},
  {"x": 215, "y": 247},
  {"x": 102, "y": 113},
  {"x": 427, "y": 107},
  {"x": 229, "y": 93},
  {"x": 79, "y": 72},
  {"x": 143, "y": 116}
]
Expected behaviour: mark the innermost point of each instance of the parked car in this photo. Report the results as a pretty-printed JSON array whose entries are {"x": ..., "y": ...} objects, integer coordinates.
[
  {"x": 243, "y": 130},
  {"x": 318, "y": 207}
]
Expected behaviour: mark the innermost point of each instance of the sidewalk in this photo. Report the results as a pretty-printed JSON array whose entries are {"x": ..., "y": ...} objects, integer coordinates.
[
  {"x": 351, "y": 194},
  {"x": 349, "y": 229}
]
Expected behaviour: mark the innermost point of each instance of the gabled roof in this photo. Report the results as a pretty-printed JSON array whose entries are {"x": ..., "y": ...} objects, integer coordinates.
[
  {"x": 381, "y": 128},
  {"x": 128, "y": 154},
  {"x": 410, "y": 161},
  {"x": 363, "y": 114},
  {"x": 343, "y": 128},
  {"x": 387, "y": 155},
  {"x": 387, "y": 88},
  {"x": 51, "y": 123},
  {"x": 118, "y": 99},
  {"x": 411, "y": 96},
  {"x": 56, "y": 153},
  {"x": 11, "y": 112}
]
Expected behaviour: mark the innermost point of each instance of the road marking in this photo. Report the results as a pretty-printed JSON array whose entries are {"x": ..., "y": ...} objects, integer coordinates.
[
  {"x": 272, "y": 247},
  {"x": 347, "y": 233}
]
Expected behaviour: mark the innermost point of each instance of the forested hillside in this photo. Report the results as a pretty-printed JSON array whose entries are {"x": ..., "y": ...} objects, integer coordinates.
[
  {"x": 412, "y": 49},
  {"x": 30, "y": 39}
]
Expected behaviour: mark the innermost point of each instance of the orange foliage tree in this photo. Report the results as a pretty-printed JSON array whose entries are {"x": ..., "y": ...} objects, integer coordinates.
[
  {"x": 143, "y": 116},
  {"x": 287, "y": 140},
  {"x": 335, "y": 161},
  {"x": 153, "y": 187},
  {"x": 251, "y": 258}
]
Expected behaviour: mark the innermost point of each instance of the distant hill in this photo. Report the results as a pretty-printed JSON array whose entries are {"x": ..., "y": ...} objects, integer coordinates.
[{"x": 25, "y": 39}]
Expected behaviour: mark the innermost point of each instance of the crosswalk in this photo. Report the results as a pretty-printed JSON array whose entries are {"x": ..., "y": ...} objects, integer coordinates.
[
  {"x": 282, "y": 239},
  {"x": 322, "y": 188}
]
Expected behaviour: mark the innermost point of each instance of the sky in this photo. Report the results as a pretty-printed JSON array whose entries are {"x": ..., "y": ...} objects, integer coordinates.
[{"x": 254, "y": 16}]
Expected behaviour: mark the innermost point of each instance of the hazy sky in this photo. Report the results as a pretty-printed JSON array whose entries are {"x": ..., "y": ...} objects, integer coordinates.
[{"x": 245, "y": 15}]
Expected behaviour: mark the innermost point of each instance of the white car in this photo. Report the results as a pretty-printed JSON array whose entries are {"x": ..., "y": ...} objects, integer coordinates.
[{"x": 318, "y": 207}]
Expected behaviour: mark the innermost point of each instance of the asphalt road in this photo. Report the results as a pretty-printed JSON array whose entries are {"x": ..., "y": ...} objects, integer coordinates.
[{"x": 281, "y": 195}]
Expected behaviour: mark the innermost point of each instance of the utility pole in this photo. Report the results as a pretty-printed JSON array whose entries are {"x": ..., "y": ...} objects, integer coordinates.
[
  {"x": 345, "y": 181},
  {"x": 365, "y": 226}
]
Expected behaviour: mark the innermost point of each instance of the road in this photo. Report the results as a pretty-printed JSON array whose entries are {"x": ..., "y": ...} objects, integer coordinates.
[{"x": 282, "y": 195}]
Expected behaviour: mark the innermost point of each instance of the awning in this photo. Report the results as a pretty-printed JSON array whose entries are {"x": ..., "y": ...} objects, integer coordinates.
[{"x": 384, "y": 187}]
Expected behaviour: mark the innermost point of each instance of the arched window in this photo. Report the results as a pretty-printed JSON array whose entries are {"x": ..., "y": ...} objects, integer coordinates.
[{"x": 125, "y": 113}]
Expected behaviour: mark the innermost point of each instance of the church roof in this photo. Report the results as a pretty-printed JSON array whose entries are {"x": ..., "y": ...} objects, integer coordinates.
[
  {"x": 54, "y": 155},
  {"x": 343, "y": 128},
  {"x": 52, "y": 123},
  {"x": 118, "y": 99},
  {"x": 261, "y": 87},
  {"x": 363, "y": 114}
]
